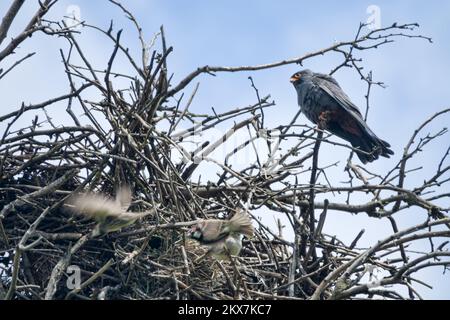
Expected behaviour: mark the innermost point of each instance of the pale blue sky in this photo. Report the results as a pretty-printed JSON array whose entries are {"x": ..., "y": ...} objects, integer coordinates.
[{"x": 234, "y": 33}]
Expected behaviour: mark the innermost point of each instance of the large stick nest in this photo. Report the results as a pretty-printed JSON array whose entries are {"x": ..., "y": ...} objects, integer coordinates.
[{"x": 143, "y": 136}]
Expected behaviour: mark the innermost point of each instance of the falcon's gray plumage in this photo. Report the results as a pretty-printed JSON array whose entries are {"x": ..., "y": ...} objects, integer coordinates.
[{"x": 324, "y": 103}]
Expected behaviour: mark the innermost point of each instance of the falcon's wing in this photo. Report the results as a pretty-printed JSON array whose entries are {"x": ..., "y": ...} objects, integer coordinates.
[
  {"x": 327, "y": 78},
  {"x": 329, "y": 85}
]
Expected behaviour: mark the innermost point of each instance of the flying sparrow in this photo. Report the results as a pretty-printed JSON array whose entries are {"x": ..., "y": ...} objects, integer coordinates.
[{"x": 111, "y": 214}]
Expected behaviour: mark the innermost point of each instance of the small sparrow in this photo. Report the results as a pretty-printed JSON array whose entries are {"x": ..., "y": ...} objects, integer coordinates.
[
  {"x": 110, "y": 214},
  {"x": 223, "y": 237}
]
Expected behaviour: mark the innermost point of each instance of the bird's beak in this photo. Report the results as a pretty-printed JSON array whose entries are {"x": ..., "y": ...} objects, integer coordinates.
[
  {"x": 190, "y": 231},
  {"x": 294, "y": 78},
  {"x": 96, "y": 232}
]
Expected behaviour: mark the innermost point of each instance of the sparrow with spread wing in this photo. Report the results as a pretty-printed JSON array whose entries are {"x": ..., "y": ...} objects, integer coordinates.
[
  {"x": 222, "y": 237},
  {"x": 324, "y": 103}
]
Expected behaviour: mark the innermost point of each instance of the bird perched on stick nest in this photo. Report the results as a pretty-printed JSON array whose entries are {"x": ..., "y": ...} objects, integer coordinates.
[
  {"x": 111, "y": 214},
  {"x": 222, "y": 237},
  {"x": 324, "y": 103}
]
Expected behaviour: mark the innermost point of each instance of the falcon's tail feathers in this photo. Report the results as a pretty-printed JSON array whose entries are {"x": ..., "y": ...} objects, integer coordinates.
[
  {"x": 364, "y": 139},
  {"x": 372, "y": 147},
  {"x": 241, "y": 223},
  {"x": 385, "y": 149}
]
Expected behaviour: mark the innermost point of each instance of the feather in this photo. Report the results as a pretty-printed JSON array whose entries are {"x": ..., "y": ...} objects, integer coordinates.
[
  {"x": 110, "y": 214},
  {"x": 231, "y": 245},
  {"x": 324, "y": 103},
  {"x": 241, "y": 223},
  {"x": 213, "y": 230},
  {"x": 123, "y": 197},
  {"x": 93, "y": 206}
]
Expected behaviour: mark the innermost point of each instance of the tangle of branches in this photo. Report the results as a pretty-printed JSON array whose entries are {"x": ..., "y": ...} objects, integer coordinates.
[{"x": 144, "y": 135}]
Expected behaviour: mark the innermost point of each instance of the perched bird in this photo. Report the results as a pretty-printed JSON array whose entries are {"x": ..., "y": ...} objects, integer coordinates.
[
  {"x": 110, "y": 214},
  {"x": 324, "y": 103},
  {"x": 222, "y": 237}
]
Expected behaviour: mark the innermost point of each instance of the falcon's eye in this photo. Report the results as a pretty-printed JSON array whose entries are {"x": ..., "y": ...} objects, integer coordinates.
[{"x": 295, "y": 77}]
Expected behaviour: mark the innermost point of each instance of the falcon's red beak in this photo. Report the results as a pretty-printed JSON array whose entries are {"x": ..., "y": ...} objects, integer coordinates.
[{"x": 294, "y": 78}]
